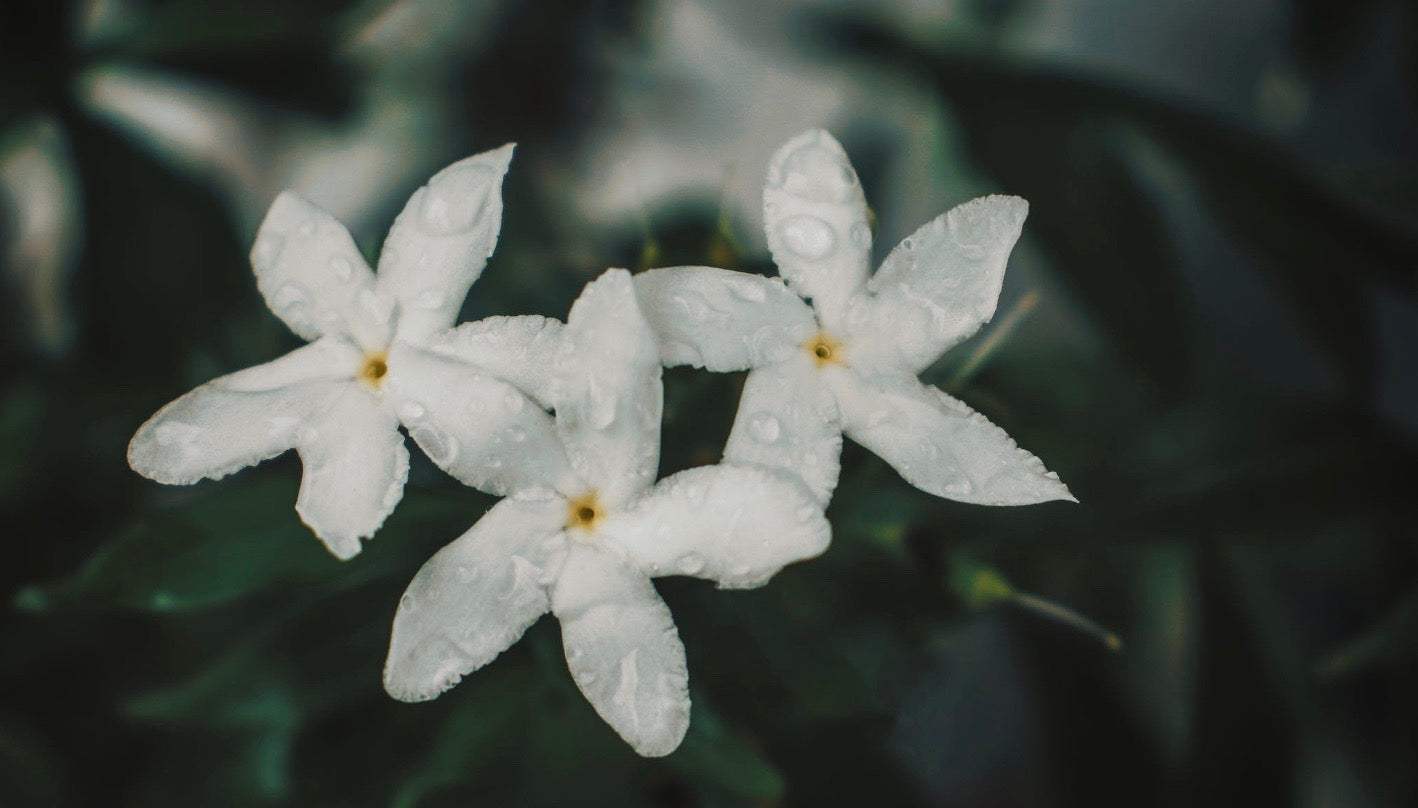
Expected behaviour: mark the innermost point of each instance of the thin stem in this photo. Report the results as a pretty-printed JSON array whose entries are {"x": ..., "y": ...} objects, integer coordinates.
[{"x": 1069, "y": 617}]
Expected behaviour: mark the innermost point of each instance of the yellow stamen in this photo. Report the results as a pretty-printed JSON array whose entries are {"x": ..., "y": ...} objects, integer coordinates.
[
  {"x": 824, "y": 349},
  {"x": 376, "y": 366},
  {"x": 583, "y": 512}
]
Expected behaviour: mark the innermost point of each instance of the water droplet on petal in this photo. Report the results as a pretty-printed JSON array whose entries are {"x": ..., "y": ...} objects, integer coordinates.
[
  {"x": 585, "y": 677},
  {"x": 690, "y": 563},
  {"x": 747, "y": 290},
  {"x": 341, "y": 266},
  {"x": 440, "y": 448},
  {"x": 764, "y": 427},
  {"x": 430, "y": 299},
  {"x": 861, "y": 235},
  {"x": 599, "y": 406},
  {"x": 514, "y": 402},
  {"x": 410, "y": 410},
  {"x": 807, "y": 236},
  {"x": 454, "y": 200},
  {"x": 516, "y": 434},
  {"x": 267, "y": 251}
]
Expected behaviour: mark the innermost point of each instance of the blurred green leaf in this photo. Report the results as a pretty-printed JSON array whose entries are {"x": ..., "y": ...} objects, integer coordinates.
[
  {"x": 718, "y": 760},
  {"x": 236, "y": 538}
]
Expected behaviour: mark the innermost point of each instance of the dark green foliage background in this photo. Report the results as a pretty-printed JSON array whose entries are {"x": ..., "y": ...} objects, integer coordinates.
[{"x": 1249, "y": 535}]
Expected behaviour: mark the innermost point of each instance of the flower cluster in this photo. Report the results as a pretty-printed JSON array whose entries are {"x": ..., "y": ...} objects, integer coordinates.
[{"x": 563, "y": 419}]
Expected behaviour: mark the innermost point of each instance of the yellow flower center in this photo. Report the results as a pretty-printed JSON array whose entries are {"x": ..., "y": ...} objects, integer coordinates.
[
  {"x": 824, "y": 349},
  {"x": 376, "y": 365},
  {"x": 583, "y": 512}
]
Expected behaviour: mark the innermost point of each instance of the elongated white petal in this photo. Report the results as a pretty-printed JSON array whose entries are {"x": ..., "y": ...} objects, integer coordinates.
[
  {"x": 479, "y": 429},
  {"x": 736, "y": 525},
  {"x": 355, "y": 469},
  {"x": 42, "y": 211},
  {"x": 815, "y": 216},
  {"x": 474, "y": 598},
  {"x": 608, "y": 396},
  {"x": 441, "y": 241},
  {"x": 722, "y": 320},
  {"x": 520, "y": 350},
  {"x": 622, "y": 648},
  {"x": 314, "y": 278},
  {"x": 938, "y": 444},
  {"x": 937, "y": 287},
  {"x": 787, "y": 420},
  {"x": 242, "y": 418}
]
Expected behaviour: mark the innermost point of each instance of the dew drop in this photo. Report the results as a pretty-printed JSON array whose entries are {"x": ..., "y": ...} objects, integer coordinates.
[
  {"x": 807, "y": 236},
  {"x": 690, "y": 563},
  {"x": 516, "y": 434},
  {"x": 861, "y": 235},
  {"x": 430, "y": 299},
  {"x": 514, "y": 402},
  {"x": 747, "y": 290},
  {"x": 585, "y": 677},
  {"x": 267, "y": 251},
  {"x": 341, "y": 266},
  {"x": 764, "y": 427},
  {"x": 440, "y": 448},
  {"x": 454, "y": 201},
  {"x": 410, "y": 410}
]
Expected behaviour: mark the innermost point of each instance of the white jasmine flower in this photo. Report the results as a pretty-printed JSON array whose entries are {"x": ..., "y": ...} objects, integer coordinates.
[
  {"x": 374, "y": 343},
  {"x": 584, "y": 532},
  {"x": 849, "y": 363}
]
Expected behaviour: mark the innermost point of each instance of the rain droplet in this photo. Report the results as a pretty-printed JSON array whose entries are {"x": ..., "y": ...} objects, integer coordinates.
[
  {"x": 516, "y": 434},
  {"x": 585, "y": 677},
  {"x": 907, "y": 244},
  {"x": 407, "y": 603},
  {"x": 440, "y": 448},
  {"x": 267, "y": 251},
  {"x": 430, "y": 299},
  {"x": 410, "y": 410},
  {"x": 690, "y": 563},
  {"x": 807, "y": 236},
  {"x": 453, "y": 202},
  {"x": 764, "y": 427},
  {"x": 599, "y": 406},
  {"x": 861, "y": 235},
  {"x": 341, "y": 266},
  {"x": 748, "y": 290},
  {"x": 514, "y": 402}
]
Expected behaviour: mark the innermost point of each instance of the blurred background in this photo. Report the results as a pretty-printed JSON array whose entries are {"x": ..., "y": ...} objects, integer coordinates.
[{"x": 1209, "y": 330}]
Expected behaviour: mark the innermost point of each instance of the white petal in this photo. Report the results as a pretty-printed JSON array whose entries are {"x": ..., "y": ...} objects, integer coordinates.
[
  {"x": 314, "y": 278},
  {"x": 240, "y": 419},
  {"x": 41, "y": 206},
  {"x": 607, "y": 395},
  {"x": 473, "y": 599},
  {"x": 622, "y": 648},
  {"x": 940, "y": 445},
  {"x": 787, "y": 420},
  {"x": 441, "y": 241},
  {"x": 815, "y": 216},
  {"x": 520, "y": 350},
  {"x": 731, "y": 524},
  {"x": 937, "y": 287},
  {"x": 481, "y": 430},
  {"x": 355, "y": 469},
  {"x": 722, "y": 320}
]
